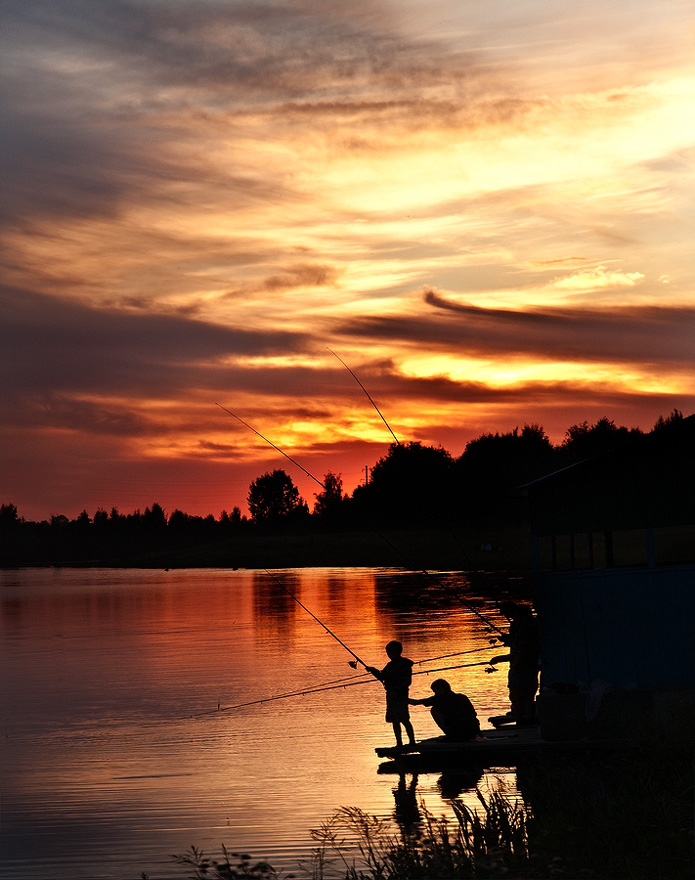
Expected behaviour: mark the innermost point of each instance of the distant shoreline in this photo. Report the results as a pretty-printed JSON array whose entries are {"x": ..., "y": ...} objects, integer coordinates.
[{"x": 438, "y": 549}]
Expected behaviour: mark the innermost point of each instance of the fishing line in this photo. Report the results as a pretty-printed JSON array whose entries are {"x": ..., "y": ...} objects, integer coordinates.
[
  {"x": 320, "y": 688},
  {"x": 383, "y": 537}
]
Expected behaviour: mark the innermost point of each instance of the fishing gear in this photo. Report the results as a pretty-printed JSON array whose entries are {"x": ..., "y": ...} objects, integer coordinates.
[
  {"x": 400, "y": 550},
  {"x": 320, "y": 688},
  {"x": 369, "y": 397},
  {"x": 320, "y": 622},
  {"x": 288, "y": 457}
]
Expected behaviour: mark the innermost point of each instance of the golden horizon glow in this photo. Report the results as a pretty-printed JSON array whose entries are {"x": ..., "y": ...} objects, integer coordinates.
[{"x": 521, "y": 373}]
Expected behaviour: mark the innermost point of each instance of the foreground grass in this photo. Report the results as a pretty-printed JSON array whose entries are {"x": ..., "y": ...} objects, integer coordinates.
[
  {"x": 627, "y": 818},
  {"x": 355, "y": 845}
]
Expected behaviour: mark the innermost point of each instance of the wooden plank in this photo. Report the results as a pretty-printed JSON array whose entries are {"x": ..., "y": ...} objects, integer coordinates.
[{"x": 493, "y": 748}]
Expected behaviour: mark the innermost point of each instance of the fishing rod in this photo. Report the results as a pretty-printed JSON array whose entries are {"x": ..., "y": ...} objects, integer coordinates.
[
  {"x": 321, "y": 688},
  {"x": 487, "y": 622},
  {"x": 369, "y": 396},
  {"x": 288, "y": 457},
  {"x": 325, "y": 686},
  {"x": 455, "y": 654},
  {"x": 350, "y": 680},
  {"x": 320, "y": 622},
  {"x": 461, "y": 548}
]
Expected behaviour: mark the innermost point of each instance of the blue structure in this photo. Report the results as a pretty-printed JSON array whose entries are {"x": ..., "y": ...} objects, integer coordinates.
[{"x": 613, "y": 547}]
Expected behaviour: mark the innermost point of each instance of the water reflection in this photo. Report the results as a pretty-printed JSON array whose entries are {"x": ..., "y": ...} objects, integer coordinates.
[
  {"x": 106, "y": 771},
  {"x": 451, "y": 784},
  {"x": 454, "y": 783},
  {"x": 407, "y": 812}
]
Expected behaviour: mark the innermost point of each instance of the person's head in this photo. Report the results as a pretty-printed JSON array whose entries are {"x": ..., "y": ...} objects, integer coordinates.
[
  {"x": 441, "y": 686},
  {"x": 394, "y": 649}
]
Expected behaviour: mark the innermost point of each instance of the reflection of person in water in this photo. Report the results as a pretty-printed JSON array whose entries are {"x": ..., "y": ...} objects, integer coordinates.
[
  {"x": 407, "y": 812},
  {"x": 452, "y": 784},
  {"x": 523, "y": 644},
  {"x": 453, "y": 713},
  {"x": 396, "y": 678}
]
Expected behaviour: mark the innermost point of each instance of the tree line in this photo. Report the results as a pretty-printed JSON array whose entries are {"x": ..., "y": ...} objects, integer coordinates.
[{"x": 414, "y": 484}]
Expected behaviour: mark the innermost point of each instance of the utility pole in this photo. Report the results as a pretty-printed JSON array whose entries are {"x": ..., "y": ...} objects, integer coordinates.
[{"x": 366, "y": 475}]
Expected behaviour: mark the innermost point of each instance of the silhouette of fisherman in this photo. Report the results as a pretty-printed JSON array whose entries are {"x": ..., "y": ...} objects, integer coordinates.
[
  {"x": 396, "y": 678},
  {"x": 524, "y": 647},
  {"x": 453, "y": 713},
  {"x": 406, "y": 812}
]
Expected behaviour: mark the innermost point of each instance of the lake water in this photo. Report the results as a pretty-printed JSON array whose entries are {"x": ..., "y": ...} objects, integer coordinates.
[{"x": 108, "y": 765}]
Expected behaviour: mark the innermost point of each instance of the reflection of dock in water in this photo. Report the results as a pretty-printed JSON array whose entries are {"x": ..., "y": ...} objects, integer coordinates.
[
  {"x": 451, "y": 784},
  {"x": 507, "y": 746}
]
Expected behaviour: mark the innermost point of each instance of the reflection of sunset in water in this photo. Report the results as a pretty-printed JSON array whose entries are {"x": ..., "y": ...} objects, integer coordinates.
[{"x": 107, "y": 756}]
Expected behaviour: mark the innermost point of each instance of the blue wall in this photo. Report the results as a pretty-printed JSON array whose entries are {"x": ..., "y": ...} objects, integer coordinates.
[{"x": 630, "y": 627}]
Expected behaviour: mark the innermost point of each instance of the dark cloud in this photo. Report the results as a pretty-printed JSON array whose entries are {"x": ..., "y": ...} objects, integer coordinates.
[
  {"x": 297, "y": 275},
  {"x": 89, "y": 119},
  {"x": 641, "y": 334},
  {"x": 263, "y": 49},
  {"x": 49, "y": 345},
  {"x": 303, "y": 275}
]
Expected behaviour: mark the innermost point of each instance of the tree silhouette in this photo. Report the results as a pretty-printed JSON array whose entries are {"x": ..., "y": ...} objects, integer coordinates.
[
  {"x": 330, "y": 501},
  {"x": 585, "y": 440},
  {"x": 669, "y": 423},
  {"x": 8, "y": 516},
  {"x": 273, "y": 496},
  {"x": 411, "y": 483},
  {"x": 494, "y": 466}
]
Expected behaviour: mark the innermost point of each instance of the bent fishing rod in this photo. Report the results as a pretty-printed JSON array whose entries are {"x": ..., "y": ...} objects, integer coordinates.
[
  {"x": 332, "y": 687},
  {"x": 270, "y": 442},
  {"x": 369, "y": 396}
]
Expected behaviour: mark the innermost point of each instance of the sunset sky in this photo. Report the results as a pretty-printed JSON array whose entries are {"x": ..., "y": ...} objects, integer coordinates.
[{"x": 487, "y": 209}]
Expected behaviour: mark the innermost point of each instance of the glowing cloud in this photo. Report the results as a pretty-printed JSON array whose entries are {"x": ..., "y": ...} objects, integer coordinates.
[{"x": 199, "y": 199}]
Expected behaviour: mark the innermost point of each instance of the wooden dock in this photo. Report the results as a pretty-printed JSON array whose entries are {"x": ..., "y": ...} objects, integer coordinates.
[{"x": 505, "y": 747}]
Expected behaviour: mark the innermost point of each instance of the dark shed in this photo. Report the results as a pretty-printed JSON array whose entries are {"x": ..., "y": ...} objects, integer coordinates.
[{"x": 613, "y": 542}]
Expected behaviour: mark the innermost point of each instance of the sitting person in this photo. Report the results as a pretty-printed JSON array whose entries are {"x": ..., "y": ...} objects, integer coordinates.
[{"x": 453, "y": 713}]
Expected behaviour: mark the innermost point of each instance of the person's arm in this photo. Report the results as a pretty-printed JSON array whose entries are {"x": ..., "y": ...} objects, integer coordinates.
[
  {"x": 427, "y": 701},
  {"x": 501, "y": 658},
  {"x": 372, "y": 670}
]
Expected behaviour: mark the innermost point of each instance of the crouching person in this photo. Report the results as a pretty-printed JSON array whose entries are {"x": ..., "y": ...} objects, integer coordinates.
[{"x": 453, "y": 713}]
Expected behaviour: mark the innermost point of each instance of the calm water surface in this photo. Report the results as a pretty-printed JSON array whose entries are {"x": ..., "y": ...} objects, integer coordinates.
[{"x": 108, "y": 765}]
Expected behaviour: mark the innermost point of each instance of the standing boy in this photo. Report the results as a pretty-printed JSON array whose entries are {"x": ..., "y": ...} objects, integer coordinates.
[{"x": 396, "y": 677}]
